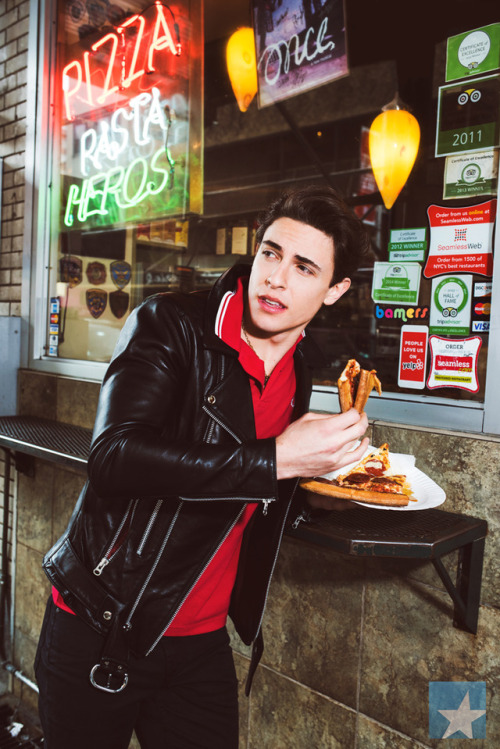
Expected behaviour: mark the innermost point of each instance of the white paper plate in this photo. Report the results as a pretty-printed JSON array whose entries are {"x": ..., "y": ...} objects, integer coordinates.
[{"x": 425, "y": 491}]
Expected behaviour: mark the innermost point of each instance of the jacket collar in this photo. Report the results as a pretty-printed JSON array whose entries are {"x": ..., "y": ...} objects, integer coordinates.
[{"x": 307, "y": 347}]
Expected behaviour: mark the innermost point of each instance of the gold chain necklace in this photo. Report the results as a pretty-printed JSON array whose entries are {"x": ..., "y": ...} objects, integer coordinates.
[{"x": 247, "y": 339}]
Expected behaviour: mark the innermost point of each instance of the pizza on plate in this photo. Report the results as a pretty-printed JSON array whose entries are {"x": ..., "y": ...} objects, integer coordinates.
[{"x": 371, "y": 481}]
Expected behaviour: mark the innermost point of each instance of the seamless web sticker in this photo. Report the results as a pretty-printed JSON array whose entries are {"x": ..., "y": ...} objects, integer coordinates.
[{"x": 454, "y": 363}]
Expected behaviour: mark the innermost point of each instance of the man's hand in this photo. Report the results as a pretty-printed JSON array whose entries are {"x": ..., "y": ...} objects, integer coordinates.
[{"x": 316, "y": 444}]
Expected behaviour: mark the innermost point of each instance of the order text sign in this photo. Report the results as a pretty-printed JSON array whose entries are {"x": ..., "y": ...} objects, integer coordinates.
[{"x": 461, "y": 239}]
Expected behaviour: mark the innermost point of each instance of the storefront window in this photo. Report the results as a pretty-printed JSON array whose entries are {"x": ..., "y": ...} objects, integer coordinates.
[
  {"x": 158, "y": 177},
  {"x": 127, "y": 164}
]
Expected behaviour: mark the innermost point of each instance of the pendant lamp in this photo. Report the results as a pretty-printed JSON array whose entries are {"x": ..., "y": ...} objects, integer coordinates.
[
  {"x": 393, "y": 145},
  {"x": 242, "y": 66}
]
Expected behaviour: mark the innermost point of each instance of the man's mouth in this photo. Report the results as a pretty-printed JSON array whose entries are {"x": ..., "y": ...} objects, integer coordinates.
[{"x": 271, "y": 304}]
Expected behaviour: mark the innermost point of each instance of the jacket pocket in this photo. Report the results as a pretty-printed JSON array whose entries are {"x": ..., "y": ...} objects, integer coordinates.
[{"x": 118, "y": 538}]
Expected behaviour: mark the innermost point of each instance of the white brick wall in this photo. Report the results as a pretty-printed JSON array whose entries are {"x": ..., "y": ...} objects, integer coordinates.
[{"x": 14, "y": 19}]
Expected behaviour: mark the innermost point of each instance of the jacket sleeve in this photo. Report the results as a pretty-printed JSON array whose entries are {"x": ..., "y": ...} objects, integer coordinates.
[{"x": 138, "y": 449}]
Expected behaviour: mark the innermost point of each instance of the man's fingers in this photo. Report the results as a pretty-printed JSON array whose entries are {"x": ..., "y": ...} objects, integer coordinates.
[
  {"x": 352, "y": 456},
  {"x": 342, "y": 420}
]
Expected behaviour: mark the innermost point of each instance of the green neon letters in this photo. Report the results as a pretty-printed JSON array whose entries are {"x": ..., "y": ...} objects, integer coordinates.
[{"x": 119, "y": 186}]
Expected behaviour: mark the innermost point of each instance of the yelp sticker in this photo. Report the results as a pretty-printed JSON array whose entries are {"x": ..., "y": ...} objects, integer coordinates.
[
  {"x": 413, "y": 356},
  {"x": 454, "y": 363}
]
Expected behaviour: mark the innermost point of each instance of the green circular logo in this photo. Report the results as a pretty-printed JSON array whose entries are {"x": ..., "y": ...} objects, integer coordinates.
[
  {"x": 451, "y": 296},
  {"x": 471, "y": 173}
]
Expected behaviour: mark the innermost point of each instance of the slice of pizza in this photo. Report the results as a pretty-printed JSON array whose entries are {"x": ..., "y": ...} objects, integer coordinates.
[
  {"x": 355, "y": 385},
  {"x": 371, "y": 480}
]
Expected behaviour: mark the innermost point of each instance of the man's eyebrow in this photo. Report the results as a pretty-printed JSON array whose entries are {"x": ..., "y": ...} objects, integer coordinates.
[
  {"x": 300, "y": 258},
  {"x": 272, "y": 244},
  {"x": 307, "y": 261}
]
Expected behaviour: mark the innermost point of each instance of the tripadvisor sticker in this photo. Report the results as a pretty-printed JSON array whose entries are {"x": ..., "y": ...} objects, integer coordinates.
[
  {"x": 396, "y": 283},
  {"x": 473, "y": 52},
  {"x": 471, "y": 174},
  {"x": 451, "y": 305}
]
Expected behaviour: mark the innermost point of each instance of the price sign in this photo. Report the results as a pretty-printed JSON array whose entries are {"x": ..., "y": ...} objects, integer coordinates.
[{"x": 468, "y": 116}]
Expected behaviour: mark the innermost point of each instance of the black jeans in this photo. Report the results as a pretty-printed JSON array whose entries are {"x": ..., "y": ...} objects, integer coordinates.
[{"x": 182, "y": 696}]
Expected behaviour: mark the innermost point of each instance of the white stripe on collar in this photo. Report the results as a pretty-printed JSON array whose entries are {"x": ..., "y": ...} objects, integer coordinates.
[{"x": 221, "y": 312}]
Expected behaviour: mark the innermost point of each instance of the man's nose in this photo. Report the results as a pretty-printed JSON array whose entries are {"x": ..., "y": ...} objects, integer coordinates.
[{"x": 278, "y": 277}]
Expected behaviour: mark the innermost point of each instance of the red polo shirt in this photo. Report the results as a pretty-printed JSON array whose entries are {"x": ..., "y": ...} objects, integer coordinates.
[{"x": 206, "y": 607}]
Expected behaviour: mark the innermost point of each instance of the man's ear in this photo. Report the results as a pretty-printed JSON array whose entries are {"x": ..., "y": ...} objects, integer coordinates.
[{"x": 336, "y": 291}]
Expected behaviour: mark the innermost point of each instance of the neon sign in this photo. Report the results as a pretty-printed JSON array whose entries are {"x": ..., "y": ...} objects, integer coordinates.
[
  {"x": 160, "y": 40},
  {"x": 126, "y": 122}
]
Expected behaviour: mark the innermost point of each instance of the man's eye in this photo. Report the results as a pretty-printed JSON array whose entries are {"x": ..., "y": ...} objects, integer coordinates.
[{"x": 305, "y": 269}]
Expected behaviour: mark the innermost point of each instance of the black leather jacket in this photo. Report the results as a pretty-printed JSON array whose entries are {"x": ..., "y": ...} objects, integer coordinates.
[{"x": 174, "y": 459}]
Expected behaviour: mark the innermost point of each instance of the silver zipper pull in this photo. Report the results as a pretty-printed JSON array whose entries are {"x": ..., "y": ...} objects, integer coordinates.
[
  {"x": 298, "y": 520},
  {"x": 102, "y": 564},
  {"x": 266, "y": 505}
]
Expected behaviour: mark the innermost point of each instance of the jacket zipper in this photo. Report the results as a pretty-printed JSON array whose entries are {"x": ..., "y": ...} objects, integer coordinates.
[
  {"x": 221, "y": 424},
  {"x": 109, "y": 554},
  {"x": 276, "y": 556},
  {"x": 127, "y": 624},
  {"x": 220, "y": 377},
  {"x": 148, "y": 528},
  {"x": 302, "y": 518},
  {"x": 164, "y": 629},
  {"x": 267, "y": 501}
]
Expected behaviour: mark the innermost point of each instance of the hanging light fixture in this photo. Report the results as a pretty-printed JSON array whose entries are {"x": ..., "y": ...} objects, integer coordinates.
[
  {"x": 242, "y": 66},
  {"x": 393, "y": 145}
]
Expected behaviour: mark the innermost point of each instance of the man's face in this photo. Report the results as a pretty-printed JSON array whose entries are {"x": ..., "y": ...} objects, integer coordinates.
[{"x": 290, "y": 278}]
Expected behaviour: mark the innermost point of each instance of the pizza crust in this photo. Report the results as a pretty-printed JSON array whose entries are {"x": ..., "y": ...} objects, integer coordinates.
[
  {"x": 329, "y": 489},
  {"x": 360, "y": 483}
]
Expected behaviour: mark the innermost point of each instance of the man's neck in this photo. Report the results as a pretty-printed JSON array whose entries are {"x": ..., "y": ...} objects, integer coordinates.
[{"x": 270, "y": 348}]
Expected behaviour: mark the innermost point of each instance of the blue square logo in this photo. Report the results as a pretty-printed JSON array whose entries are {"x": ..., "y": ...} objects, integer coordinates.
[{"x": 457, "y": 709}]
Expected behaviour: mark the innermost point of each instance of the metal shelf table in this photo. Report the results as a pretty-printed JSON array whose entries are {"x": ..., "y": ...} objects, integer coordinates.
[{"x": 426, "y": 534}]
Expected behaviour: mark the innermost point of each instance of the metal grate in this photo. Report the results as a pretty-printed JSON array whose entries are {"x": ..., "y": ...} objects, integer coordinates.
[
  {"x": 44, "y": 438},
  {"x": 370, "y": 532},
  {"x": 425, "y": 525},
  {"x": 13, "y": 733}
]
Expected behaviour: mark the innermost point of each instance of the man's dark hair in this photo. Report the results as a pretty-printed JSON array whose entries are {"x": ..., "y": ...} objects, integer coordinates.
[{"x": 324, "y": 209}]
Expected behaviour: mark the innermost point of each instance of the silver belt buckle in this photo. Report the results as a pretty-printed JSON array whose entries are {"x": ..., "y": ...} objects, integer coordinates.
[{"x": 110, "y": 673}]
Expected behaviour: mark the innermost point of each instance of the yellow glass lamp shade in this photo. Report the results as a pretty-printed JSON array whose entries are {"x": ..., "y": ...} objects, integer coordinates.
[
  {"x": 242, "y": 66},
  {"x": 393, "y": 145}
]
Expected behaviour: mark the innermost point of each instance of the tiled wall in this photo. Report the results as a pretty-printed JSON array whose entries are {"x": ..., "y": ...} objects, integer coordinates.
[
  {"x": 351, "y": 643},
  {"x": 13, "y": 69}
]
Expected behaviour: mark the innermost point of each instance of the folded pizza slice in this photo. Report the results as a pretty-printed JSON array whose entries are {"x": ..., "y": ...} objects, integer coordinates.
[{"x": 355, "y": 385}]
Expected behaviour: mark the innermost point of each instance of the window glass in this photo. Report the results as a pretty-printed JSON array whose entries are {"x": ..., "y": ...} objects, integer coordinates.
[
  {"x": 159, "y": 179},
  {"x": 127, "y": 168}
]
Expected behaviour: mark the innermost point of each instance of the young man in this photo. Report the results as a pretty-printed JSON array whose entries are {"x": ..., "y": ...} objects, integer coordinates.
[{"x": 201, "y": 434}]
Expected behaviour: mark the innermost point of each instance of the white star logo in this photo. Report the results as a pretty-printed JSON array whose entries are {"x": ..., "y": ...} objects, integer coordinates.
[{"x": 461, "y": 719}]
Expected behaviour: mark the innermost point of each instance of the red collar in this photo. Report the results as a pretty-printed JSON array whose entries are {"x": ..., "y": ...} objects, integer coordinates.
[{"x": 228, "y": 328}]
